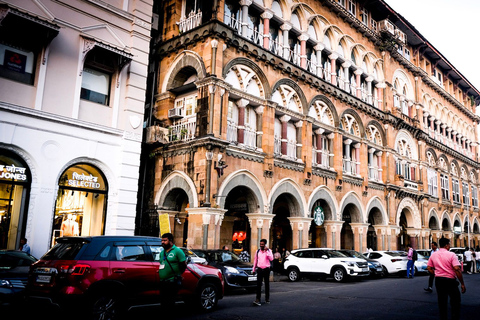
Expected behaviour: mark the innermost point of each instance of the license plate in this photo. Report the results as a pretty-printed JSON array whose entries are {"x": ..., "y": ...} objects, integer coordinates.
[
  {"x": 44, "y": 279},
  {"x": 379, "y": 269},
  {"x": 364, "y": 269},
  {"x": 252, "y": 278}
]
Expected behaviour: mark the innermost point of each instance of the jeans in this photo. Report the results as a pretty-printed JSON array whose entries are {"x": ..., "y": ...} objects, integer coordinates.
[
  {"x": 263, "y": 275},
  {"x": 410, "y": 268},
  {"x": 447, "y": 287}
]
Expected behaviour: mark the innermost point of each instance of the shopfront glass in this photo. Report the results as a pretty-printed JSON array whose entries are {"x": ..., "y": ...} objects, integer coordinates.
[
  {"x": 14, "y": 188},
  {"x": 81, "y": 203}
]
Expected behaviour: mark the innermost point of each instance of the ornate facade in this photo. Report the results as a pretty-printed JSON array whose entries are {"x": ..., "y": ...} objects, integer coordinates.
[{"x": 318, "y": 123}]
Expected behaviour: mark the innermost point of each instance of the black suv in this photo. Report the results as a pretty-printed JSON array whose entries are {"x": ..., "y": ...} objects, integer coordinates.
[{"x": 111, "y": 274}]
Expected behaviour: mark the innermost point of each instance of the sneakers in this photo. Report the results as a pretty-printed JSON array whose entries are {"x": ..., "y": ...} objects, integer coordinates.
[
  {"x": 267, "y": 302},
  {"x": 429, "y": 289},
  {"x": 257, "y": 303}
]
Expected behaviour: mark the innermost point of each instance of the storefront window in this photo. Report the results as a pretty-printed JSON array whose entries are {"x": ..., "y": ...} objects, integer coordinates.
[
  {"x": 14, "y": 186},
  {"x": 81, "y": 203}
]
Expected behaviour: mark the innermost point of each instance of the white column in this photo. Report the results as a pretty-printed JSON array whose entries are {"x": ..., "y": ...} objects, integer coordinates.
[
  {"x": 318, "y": 49},
  {"x": 245, "y": 4},
  {"x": 346, "y": 82},
  {"x": 286, "y": 47}
]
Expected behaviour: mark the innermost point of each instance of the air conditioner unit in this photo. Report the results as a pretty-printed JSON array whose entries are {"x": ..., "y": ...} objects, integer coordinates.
[
  {"x": 156, "y": 134},
  {"x": 402, "y": 37},
  {"x": 175, "y": 113},
  {"x": 386, "y": 25}
]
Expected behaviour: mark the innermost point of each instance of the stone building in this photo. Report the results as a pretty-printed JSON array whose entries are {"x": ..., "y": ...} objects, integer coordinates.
[
  {"x": 317, "y": 123},
  {"x": 72, "y": 97}
]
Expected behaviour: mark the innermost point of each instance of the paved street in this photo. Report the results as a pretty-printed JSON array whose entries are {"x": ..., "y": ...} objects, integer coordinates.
[{"x": 387, "y": 298}]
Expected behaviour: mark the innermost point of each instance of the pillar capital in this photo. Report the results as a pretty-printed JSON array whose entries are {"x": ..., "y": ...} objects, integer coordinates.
[
  {"x": 298, "y": 124},
  {"x": 246, "y": 2},
  {"x": 242, "y": 103},
  {"x": 303, "y": 37},
  {"x": 259, "y": 110},
  {"x": 286, "y": 26},
  {"x": 358, "y": 72},
  {"x": 319, "y": 131},
  {"x": 347, "y": 64},
  {"x": 267, "y": 14},
  {"x": 285, "y": 118},
  {"x": 333, "y": 56},
  {"x": 259, "y": 220},
  {"x": 347, "y": 141}
]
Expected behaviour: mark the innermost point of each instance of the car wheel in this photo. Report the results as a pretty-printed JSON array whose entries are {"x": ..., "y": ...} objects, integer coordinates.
[
  {"x": 339, "y": 274},
  {"x": 293, "y": 274},
  {"x": 105, "y": 307},
  {"x": 385, "y": 271},
  {"x": 207, "y": 297}
]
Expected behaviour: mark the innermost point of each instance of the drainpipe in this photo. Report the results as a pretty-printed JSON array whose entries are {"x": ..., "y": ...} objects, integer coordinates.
[
  {"x": 209, "y": 156},
  {"x": 211, "y": 88}
]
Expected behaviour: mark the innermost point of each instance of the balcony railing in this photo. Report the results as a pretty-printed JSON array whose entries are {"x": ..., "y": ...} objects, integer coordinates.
[
  {"x": 324, "y": 156},
  {"x": 349, "y": 166},
  {"x": 231, "y": 131},
  {"x": 183, "y": 131},
  {"x": 277, "y": 146},
  {"x": 373, "y": 173},
  {"x": 292, "y": 149},
  {"x": 250, "y": 138},
  {"x": 192, "y": 21}
]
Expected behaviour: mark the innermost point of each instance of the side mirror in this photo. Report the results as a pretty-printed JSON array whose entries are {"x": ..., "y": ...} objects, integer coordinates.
[{"x": 189, "y": 260}]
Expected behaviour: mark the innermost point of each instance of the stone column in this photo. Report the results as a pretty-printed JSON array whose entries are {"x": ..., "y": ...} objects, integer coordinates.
[
  {"x": 333, "y": 59},
  {"x": 333, "y": 231},
  {"x": 358, "y": 75},
  {"x": 369, "y": 89},
  {"x": 347, "y": 155},
  {"x": 425, "y": 120},
  {"x": 286, "y": 47},
  {"x": 357, "y": 158},
  {"x": 359, "y": 236},
  {"x": 242, "y": 104},
  {"x": 432, "y": 122},
  {"x": 380, "y": 87},
  {"x": 381, "y": 231},
  {"x": 318, "y": 135},
  {"x": 414, "y": 234},
  {"x": 260, "y": 224},
  {"x": 303, "y": 49},
  {"x": 202, "y": 224},
  {"x": 300, "y": 227},
  {"x": 299, "y": 125},
  {"x": 245, "y": 4},
  {"x": 346, "y": 82},
  {"x": 318, "y": 49},
  {"x": 379, "y": 164},
  {"x": 266, "y": 16},
  {"x": 331, "y": 152},
  {"x": 284, "y": 119},
  {"x": 259, "y": 112},
  {"x": 371, "y": 165},
  {"x": 444, "y": 133}
]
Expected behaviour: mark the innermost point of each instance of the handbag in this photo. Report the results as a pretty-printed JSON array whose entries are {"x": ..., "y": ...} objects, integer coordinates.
[{"x": 177, "y": 279}]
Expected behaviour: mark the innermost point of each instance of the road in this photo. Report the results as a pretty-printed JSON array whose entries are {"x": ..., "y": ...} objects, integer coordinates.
[{"x": 386, "y": 298}]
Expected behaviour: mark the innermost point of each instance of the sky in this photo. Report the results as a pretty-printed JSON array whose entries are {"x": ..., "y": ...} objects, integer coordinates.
[{"x": 451, "y": 26}]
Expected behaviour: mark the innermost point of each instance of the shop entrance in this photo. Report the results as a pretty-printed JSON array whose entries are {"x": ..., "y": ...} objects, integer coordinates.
[
  {"x": 317, "y": 236},
  {"x": 14, "y": 192},
  {"x": 81, "y": 203},
  {"x": 349, "y": 214},
  {"x": 281, "y": 230},
  {"x": 177, "y": 201}
]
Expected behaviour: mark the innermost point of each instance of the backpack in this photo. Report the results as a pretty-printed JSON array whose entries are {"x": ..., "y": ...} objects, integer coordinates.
[{"x": 415, "y": 255}]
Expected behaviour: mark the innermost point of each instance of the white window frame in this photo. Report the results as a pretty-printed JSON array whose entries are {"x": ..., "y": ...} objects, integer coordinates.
[
  {"x": 465, "y": 191},
  {"x": 445, "y": 186},
  {"x": 432, "y": 182},
  {"x": 455, "y": 190},
  {"x": 184, "y": 101},
  {"x": 474, "y": 197},
  {"x": 352, "y": 7}
]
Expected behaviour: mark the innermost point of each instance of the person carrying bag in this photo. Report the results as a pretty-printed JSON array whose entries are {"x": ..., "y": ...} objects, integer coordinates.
[{"x": 172, "y": 265}]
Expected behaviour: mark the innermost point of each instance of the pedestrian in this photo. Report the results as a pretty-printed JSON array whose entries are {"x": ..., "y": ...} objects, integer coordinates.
[
  {"x": 277, "y": 261},
  {"x": 474, "y": 261},
  {"x": 477, "y": 258},
  {"x": 172, "y": 265},
  {"x": 431, "y": 275},
  {"x": 447, "y": 269},
  {"x": 24, "y": 246},
  {"x": 468, "y": 260},
  {"x": 261, "y": 266},
  {"x": 411, "y": 262},
  {"x": 244, "y": 255}
]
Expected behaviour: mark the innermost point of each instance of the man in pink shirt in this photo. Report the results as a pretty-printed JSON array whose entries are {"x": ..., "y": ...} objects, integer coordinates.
[
  {"x": 447, "y": 269},
  {"x": 261, "y": 265}
]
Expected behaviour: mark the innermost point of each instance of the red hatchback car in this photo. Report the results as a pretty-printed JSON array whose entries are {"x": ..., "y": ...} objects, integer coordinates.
[{"x": 112, "y": 274}]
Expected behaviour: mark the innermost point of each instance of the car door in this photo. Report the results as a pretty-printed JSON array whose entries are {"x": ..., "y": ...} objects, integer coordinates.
[
  {"x": 305, "y": 261},
  {"x": 321, "y": 264},
  {"x": 134, "y": 268}
]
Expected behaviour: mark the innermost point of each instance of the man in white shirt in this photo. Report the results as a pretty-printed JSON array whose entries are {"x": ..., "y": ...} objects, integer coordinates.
[{"x": 468, "y": 259}]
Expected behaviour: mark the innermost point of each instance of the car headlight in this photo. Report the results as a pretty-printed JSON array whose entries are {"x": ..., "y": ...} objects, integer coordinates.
[
  {"x": 231, "y": 270},
  {"x": 349, "y": 263},
  {"x": 5, "y": 284}
]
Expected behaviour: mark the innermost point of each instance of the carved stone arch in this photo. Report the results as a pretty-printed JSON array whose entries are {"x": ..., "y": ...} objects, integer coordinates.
[
  {"x": 379, "y": 127},
  {"x": 177, "y": 180},
  {"x": 475, "y": 225},
  {"x": 446, "y": 216},
  {"x": 302, "y": 7},
  {"x": 330, "y": 105},
  {"x": 284, "y": 7},
  {"x": 252, "y": 65},
  {"x": 432, "y": 151},
  {"x": 358, "y": 51},
  {"x": 378, "y": 65},
  {"x": 413, "y": 220},
  {"x": 375, "y": 202},
  {"x": 456, "y": 217},
  {"x": 298, "y": 90},
  {"x": 454, "y": 163},
  {"x": 317, "y": 20},
  {"x": 475, "y": 175},
  {"x": 405, "y": 135},
  {"x": 357, "y": 118},
  {"x": 354, "y": 199},
  {"x": 323, "y": 193},
  {"x": 433, "y": 214},
  {"x": 185, "y": 59},
  {"x": 470, "y": 224},
  {"x": 331, "y": 32},
  {"x": 288, "y": 186},
  {"x": 370, "y": 59},
  {"x": 404, "y": 80},
  {"x": 445, "y": 159},
  {"x": 246, "y": 179}
]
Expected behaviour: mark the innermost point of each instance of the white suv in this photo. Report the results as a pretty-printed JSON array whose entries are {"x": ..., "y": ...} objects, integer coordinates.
[{"x": 324, "y": 262}]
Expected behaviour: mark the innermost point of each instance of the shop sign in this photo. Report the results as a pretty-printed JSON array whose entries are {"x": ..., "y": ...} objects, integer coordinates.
[
  {"x": 15, "y": 61},
  {"x": 457, "y": 230},
  {"x": 12, "y": 173},
  {"x": 318, "y": 215},
  {"x": 80, "y": 180}
]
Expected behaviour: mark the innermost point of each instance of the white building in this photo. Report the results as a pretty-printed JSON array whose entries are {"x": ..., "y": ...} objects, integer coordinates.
[{"x": 72, "y": 91}]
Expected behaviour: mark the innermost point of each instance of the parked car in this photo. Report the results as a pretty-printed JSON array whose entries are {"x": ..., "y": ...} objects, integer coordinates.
[
  {"x": 324, "y": 262},
  {"x": 425, "y": 253},
  {"x": 393, "y": 262},
  {"x": 193, "y": 256},
  {"x": 459, "y": 252},
  {"x": 14, "y": 266},
  {"x": 421, "y": 264},
  {"x": 108, "y": 275},
  {"x": 236, "y": 273},
  {"x": 375, "y": 267}
]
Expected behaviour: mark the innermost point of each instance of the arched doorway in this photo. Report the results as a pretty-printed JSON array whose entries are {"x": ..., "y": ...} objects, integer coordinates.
[
  {"x": 235, "y": 231},
  {"x": 403, "y": 237},
  {"x": 374, "y": 218},
  {"x": 317, "y": 236},
  {"x": 350, "y": 214},
  {"x": 81, "y": 203},
  {"x": 177, "y": 201},
  {"x": 281, "y": 230},
  {"x": 457, "y": 231},
  {"x": 15, "y": 182}
]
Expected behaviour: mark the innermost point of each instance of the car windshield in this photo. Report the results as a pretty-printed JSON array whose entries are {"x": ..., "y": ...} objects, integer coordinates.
[
  {"x": 335, "y": 254},
  {"x": 64, "y": 251},
  {"x": 354, "y": 254},
  {"x": 224, "y": 256},
  {"x": 396, "y": 253},
  {"x": 189, "y": 253},
  {"x": 12, "y": 259}
]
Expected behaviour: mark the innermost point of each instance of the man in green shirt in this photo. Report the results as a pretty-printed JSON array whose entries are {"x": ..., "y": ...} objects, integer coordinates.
[{"x": 172, "y": 265}]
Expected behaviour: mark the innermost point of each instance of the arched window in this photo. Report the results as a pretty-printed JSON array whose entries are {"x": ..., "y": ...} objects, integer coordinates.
[
  {"x": 277, "y": 10},
  {"x": 349, "y": 124}
]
